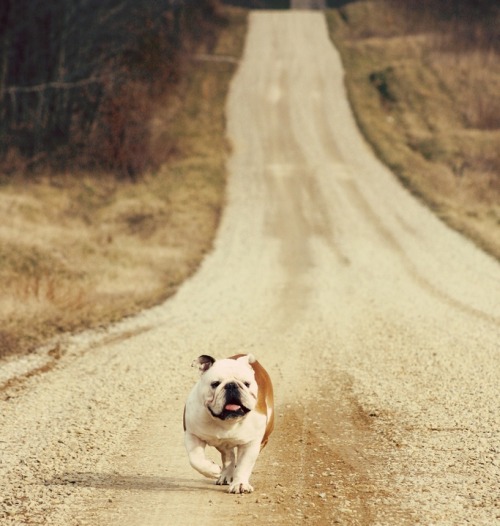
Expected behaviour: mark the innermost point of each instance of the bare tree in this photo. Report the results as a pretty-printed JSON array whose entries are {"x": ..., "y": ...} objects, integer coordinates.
[{"x": 70, "y": 70}]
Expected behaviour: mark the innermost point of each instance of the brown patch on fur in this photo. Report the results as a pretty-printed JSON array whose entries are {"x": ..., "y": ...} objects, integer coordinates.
[{"x": 265, "y": 396}]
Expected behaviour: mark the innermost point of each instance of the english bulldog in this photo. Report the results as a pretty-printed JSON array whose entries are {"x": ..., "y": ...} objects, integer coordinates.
[{"x": 230, "y": 408}]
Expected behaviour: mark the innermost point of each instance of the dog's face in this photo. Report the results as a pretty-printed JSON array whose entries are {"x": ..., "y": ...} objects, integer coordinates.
[{"x": 228, "y": 387}]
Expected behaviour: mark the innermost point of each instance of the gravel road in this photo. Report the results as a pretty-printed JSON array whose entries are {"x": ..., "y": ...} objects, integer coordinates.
[{"x": 379, "y": 325}]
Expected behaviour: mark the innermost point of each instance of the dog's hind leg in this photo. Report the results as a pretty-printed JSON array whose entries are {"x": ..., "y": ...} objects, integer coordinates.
[{"x": 228, "y": 464}]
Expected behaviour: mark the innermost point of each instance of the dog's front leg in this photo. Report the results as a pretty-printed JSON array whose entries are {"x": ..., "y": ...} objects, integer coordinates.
[
  {"x": 247, "y": 456},
  {"x": 196, "y": 452}
]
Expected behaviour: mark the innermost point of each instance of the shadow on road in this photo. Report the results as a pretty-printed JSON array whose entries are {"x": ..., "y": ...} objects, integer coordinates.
[{"x": 138, "y": 482}]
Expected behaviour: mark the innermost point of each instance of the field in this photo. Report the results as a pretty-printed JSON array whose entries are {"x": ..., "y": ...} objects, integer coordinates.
[
  {"x": 81, "y": 249},
  {"x": 424, "y": 88}
]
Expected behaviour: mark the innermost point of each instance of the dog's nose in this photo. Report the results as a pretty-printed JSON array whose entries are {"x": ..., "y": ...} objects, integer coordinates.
[{"x": 231, "y": 386}]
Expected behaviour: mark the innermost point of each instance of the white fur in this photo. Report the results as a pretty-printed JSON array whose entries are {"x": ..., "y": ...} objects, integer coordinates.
[{"x": 237, "y": 439}]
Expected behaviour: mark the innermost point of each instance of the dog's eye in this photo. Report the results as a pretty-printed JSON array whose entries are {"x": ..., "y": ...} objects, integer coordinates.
[
  {"x": 247, "y": 384},
  {"x": 214, "y": 385}
]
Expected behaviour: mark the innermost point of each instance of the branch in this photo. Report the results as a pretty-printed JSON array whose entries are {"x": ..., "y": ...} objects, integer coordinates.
[{"x": 52, "y": 85}]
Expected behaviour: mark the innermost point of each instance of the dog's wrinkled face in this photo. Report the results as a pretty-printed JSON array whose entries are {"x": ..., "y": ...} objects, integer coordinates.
[{"x": 229, "y": 388}]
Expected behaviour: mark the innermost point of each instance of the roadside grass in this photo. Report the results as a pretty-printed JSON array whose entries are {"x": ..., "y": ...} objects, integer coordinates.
[
  {"x": 426, "y": 99},
  {"x": 80, "y": 250}
]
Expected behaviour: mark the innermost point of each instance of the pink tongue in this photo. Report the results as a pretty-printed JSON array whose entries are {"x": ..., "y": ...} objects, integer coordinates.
[{"x": 232, "y": 407}]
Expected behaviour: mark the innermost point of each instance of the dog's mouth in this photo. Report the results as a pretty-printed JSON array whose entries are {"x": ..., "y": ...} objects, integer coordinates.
[{"x": 233, "y": 409}]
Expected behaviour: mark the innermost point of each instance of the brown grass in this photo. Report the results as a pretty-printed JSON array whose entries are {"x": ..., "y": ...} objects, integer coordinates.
[
  {"x": 424, "y": 88},
  {"x": 80, "y": 250}
]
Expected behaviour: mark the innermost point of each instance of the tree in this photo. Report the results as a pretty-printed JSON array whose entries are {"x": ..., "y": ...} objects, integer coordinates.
[{"x": 71, "y": 71}]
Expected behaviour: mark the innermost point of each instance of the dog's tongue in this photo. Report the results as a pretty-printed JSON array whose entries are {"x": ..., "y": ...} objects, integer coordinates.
[{"x": 233, "y": 407}]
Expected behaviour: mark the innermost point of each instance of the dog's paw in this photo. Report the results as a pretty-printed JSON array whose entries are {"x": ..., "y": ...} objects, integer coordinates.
[
  {"x": 223, "y": 480},
  {"x": 240, "y": 487},
  {"x": 226, "y": 476},
  {"x": 211, "y": 471}
]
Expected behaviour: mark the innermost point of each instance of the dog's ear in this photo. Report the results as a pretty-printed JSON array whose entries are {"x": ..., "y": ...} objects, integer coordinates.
[
  {"x": 248, "y": 358},
  {"x": 203, "y": 363}
]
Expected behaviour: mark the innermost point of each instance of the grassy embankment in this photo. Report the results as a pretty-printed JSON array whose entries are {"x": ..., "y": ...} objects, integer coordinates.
[
  {"x": 80, "y": 250},
  {"x": 424, "y": 89}
]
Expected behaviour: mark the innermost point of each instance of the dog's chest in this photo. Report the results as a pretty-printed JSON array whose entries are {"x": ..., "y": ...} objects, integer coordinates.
[{"x": 230, "y": 434}]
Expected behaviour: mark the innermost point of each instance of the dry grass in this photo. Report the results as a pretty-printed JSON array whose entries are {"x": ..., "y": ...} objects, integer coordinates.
[
  {"x": 429, "y": 107},
  {"x": 80, "y": 250}
]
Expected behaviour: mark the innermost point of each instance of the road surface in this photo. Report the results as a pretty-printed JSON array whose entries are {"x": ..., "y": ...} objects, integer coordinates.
[{"x": 378, "y": 324}]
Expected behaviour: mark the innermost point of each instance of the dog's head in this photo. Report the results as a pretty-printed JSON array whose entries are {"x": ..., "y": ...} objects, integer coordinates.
[{"x": 228, "y": 386}]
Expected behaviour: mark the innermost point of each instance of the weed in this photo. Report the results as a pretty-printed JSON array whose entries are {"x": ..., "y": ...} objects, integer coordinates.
[{"x": 382, "y": 82}]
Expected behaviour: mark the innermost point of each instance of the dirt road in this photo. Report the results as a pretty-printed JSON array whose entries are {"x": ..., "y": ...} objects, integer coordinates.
[{"x": 379, "y": 326}]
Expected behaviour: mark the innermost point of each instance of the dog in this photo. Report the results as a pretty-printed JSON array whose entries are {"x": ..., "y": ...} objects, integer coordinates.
[{"x": 231, "y": 408}]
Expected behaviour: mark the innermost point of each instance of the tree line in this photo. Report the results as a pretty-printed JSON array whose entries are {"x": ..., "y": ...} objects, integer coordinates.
[
  {"x": 78, "y": 77},
  {"x": 260, "y": 4}
]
